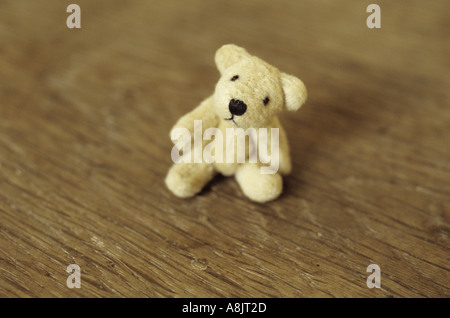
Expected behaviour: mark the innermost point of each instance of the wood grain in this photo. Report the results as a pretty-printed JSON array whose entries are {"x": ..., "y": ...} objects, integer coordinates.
[{"x": 84, "y": 121}]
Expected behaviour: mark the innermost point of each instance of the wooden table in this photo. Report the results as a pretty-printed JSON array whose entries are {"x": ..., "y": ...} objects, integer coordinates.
[{"x": 85, "y": 116}]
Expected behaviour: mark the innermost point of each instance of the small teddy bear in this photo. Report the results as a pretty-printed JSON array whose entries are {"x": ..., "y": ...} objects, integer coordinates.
[{"x": 249, "y": 95}]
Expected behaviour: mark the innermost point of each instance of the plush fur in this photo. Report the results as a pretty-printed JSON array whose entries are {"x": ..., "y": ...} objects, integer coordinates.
[{"x": 265, "y": 91}]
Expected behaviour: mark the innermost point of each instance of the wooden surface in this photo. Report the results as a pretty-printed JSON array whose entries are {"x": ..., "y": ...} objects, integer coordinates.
[{"x": 84, "y": 148}]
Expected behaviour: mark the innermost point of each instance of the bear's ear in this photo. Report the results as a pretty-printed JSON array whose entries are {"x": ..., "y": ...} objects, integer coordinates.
[
  {"x": 228, "y": 55},
  {"x": 294, "y": 92}
]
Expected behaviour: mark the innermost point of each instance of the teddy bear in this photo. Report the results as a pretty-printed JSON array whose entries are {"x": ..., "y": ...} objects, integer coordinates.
[{"x": 249, "y": 94}]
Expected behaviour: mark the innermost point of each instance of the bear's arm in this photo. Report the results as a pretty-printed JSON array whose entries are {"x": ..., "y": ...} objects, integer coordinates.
[
  {"x": 204, "y": 112},
  {"x": 285, "y": 166}
]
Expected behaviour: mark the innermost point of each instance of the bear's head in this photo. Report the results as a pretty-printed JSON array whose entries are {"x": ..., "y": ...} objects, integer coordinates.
[{"x": 251, "y": 92}]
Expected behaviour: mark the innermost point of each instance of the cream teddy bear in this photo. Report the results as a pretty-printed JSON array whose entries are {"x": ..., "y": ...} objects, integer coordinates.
[{"x": 249, "y": 94}]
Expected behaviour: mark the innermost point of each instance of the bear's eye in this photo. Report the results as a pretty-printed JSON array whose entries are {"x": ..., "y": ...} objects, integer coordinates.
[
  {"x": 266, "y": 100},
  {"x": 235, "y": 77}
]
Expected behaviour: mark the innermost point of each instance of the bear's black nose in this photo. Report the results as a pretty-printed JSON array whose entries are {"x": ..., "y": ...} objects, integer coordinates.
[{"x": 237, "y": 107}]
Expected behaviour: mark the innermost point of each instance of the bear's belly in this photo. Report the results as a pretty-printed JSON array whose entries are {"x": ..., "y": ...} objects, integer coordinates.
[{"x": 227, "y": 169}]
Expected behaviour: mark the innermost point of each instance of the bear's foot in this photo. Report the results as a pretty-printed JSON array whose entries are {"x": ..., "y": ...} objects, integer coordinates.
[
  {"x": 187, "y": 179},
  {"x": 258, "y": 187}
]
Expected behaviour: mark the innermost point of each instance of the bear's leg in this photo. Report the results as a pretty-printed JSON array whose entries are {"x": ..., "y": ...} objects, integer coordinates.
[
  {"x": 258, "y": 187},
  {"x": 187, "y": 179}
]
